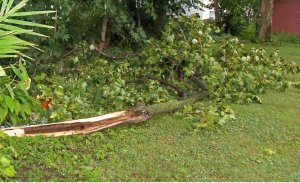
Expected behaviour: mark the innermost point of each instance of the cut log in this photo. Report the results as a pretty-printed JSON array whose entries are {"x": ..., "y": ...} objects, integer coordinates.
[{"x": 88, "y": 125}]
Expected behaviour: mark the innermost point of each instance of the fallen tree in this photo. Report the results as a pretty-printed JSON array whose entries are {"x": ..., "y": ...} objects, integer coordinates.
[
  {"x": 190, "y": 58},
  {"x": 81, "y": 126},
  {"x": 88, "y": 125}
]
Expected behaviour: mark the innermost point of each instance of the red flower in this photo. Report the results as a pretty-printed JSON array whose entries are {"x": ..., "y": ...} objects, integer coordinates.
[{"x": 45, "y": 104}]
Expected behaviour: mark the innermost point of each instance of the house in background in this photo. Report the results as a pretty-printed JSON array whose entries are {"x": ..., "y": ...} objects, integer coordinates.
[
  {"x": 286, "y": 16},
  {"x": 205, "y": 13}
]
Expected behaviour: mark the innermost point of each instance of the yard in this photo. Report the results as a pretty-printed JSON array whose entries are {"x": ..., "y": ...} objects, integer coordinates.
[{"x": 263, "y": 144}]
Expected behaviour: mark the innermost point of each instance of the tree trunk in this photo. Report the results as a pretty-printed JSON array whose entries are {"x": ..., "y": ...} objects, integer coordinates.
[
  {"x": 264, "y": 20},
  {"x": 103, "y": 34},
  {"x": 217, "y": 13},
  {"x": 161, "y": 13},
  {"x": 80, "y": 126},
  {"x": 138, "y": 12},
  {"x": 88, "y": 125}
]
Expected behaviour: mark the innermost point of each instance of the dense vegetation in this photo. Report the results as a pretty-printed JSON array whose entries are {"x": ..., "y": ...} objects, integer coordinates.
[{"x": 126, "y": 63}]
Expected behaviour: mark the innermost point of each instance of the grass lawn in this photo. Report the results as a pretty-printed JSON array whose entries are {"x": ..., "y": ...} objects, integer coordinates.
[{"x": 263, "y": 144}]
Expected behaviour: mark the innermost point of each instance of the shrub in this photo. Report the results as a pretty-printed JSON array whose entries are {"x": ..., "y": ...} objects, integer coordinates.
[{"x": 7, "y": 153}]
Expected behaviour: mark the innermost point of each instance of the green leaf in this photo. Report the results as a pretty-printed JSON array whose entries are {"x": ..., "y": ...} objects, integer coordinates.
[
  {"x": 3, "y": 114},
  {"x": 8, "y": 171},
  {"x": 10, "y": 103},
  {"x": 5, "y": 162},
  {"x": 16, "y": 71},
  {"x": 10, "y": 90},
  {"x": 3, "y": 136},
  {"x": 21, "y": 14},
  {"x": 13, "y": 10},
  {"x": 15, "y": 29},
  {"x": 14, "y": 119},
  {"x": 24, "y": 75},
  {"x": 10, "y": 3},
  {"x": 2, "y": 72},
  {"x": 26, "y": 108},
  {"x": 26, "y": 23},
  {"x": 17, "y": 106},
  {"x": 54, "y": 115},
  {"x": 3, "y": 7}
]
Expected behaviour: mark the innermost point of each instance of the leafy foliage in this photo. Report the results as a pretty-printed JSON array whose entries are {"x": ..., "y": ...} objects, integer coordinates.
[
  {"x": 90, "y": 85},
  {"x": 237, "y": 15},
  {"x": 10, "y": 26},
  {"x": 7, "y": 153},
  {"x": 130, "y": 22},
  {"x": 16, "y": 103},
  {"x": 188, "y": 49},
  {"x": 209, "y": 115},
  {"x": 230, "y": 71}
]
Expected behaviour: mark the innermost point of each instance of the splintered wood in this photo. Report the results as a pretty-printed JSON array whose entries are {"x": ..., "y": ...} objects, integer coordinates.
[
  {"x": 88, "y": 125},
  {"x": 81, "y": 126}
]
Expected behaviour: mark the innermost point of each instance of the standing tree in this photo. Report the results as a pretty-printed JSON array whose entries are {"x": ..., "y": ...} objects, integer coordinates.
[
  {"x": 233, "y": 15},
  {"x": 217, "y": 13},
  {"x": 264, "y": 20}
]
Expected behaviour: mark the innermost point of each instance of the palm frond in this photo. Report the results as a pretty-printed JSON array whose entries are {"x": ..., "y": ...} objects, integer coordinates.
[{"x": 10, "y": 27}]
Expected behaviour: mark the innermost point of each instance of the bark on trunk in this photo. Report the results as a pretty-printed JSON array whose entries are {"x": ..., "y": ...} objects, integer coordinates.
[
  {"x": 138, "y": 12},
  {"x": 217, "y": 13},
  {"x": 264, "y": 20},
  {"x": 103, "y": 34},
  {"x": 88, "y": 125}
]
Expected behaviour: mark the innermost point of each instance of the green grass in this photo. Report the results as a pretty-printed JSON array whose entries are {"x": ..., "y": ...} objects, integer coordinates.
[
  {"x": 290, "y": 52},
  {"x": 263, "y": 144}
]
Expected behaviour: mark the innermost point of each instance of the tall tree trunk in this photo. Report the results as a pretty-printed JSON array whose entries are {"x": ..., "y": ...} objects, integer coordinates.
[
  {"x": 138, "y": 9},
  {"x": 264, "y": 20},
  {"x": 161, "y": 13},
  {"x": 103, "y": 34},
  {"x": 217, "y": 13}
]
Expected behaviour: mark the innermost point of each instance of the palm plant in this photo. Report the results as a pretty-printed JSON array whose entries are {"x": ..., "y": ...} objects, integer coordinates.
[
  {"x": 15, "y": 101},
  {"x": 10, "y": 26}
]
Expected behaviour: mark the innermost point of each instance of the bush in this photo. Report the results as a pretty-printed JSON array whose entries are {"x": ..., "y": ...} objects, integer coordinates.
[
  {"x": 16, "y": 103},
  {"x": 249, "y": 32},
  {"x": 7, "y": 153}
]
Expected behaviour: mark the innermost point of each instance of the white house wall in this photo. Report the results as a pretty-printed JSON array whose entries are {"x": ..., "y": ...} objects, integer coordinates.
[{"x": 204, "y": 14}]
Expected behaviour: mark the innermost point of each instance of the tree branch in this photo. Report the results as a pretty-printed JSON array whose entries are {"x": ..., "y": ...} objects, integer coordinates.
[
  {"x": 144, "y": 79},
  {"x": 199, "y": 82}
]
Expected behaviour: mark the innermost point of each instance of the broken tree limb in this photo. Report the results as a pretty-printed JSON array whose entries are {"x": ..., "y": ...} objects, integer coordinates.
[
  {"x": 81, "y": 126},
  {"x": 88, "y": 125},
  {"x": 172, "y": 106}
]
